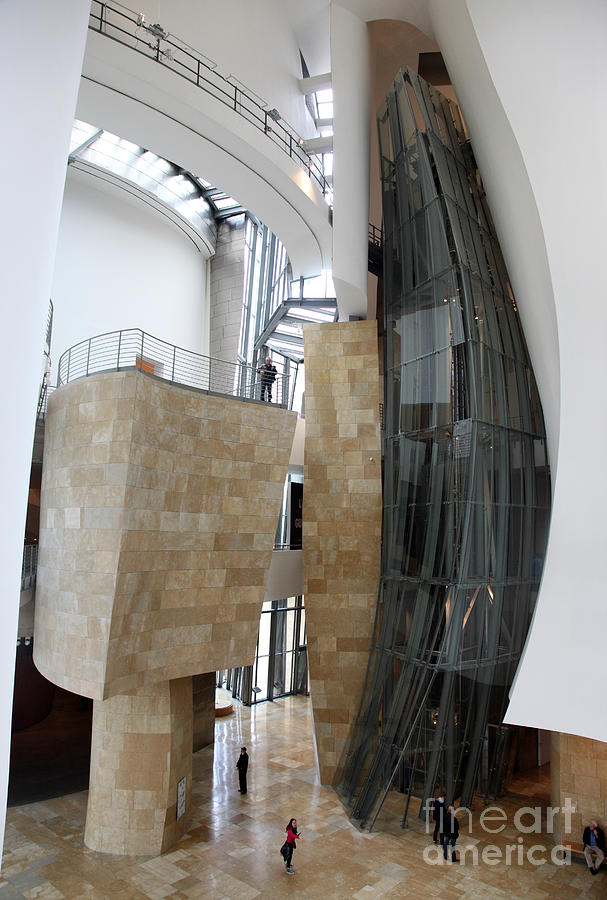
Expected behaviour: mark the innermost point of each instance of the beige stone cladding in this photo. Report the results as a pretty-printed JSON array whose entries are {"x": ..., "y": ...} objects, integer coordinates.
[
  {"x": 341, "y": 523},
  {"x": 141, "y": 749},
  {"x": 578, "y": 773},
  {"x": 158, "y": 513}
]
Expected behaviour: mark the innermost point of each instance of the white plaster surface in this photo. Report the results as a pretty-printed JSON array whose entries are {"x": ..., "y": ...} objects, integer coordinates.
[
  {"x": 36, "y": 132},
  {"x": 554, "y": 99},
  {"x": 121, "y": 265}
]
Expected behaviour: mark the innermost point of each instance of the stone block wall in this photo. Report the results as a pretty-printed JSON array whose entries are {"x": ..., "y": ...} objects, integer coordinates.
[
  {"x": 159, "y": 508},
  {"x": 226, "y": 287},
  {"x": 342, "y": 514},
  {"x": 578, "y": 771},
  {"x": 141, "y": 748}
]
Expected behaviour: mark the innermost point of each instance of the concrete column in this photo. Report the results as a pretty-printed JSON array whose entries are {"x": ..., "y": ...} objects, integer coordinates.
[
  {"x": 341, "y": 524},
  {"x": 225, "y": 300},
  {"x": 40, "y": 64},
  {"x": 141, "y": 750},
  {"x": 350, "y": 66}
]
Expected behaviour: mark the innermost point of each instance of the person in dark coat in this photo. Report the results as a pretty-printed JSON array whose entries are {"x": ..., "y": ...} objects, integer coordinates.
[
  {"x": 450, "y": 833},
  {"x": 242, "y": 765},
  {"x": 438, "y": 816},
  {"x": 594, "y": 846},
  {"x": 268, "y": 374}
]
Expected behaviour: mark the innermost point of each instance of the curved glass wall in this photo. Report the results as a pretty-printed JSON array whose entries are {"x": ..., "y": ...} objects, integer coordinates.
[{"x": 466, "y": 480}]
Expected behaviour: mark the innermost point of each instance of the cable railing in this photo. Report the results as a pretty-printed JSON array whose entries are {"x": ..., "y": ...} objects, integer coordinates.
[
  {"x": 134, "y": 349},
  {"x": 130, "y": 29}
]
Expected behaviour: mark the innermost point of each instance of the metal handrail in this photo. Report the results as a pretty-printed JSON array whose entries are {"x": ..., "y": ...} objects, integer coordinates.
[
  {"x": 128, "y": 28},
  {"x": 45, "y": 391},
  {"x": 132, "y": 348},
  {"x": 376, "y": 235},
  {"x": 29, "y": 566}
]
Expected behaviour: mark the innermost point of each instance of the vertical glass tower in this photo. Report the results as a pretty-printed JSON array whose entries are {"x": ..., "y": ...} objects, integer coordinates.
[{"x": 466, "y": 479}]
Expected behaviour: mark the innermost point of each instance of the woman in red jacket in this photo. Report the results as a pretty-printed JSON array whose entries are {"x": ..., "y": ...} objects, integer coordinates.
[{"x": 292, "y": 835}]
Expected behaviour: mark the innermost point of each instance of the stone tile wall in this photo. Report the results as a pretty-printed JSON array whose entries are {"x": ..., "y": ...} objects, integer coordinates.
[
  {"x": 159, "y": 508},
  {"x": 226, "y": 287},
  {"x": 578, "y": 771},
  {"x": 141, "y": 748},
  {"x": 342, "y": 512}
]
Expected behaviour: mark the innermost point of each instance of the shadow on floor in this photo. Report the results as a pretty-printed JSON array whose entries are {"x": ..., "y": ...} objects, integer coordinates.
[{"x": 52, "y": 758}]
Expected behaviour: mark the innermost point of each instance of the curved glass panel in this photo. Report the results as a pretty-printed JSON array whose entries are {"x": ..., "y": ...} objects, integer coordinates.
[{"x": 466, "y": 480}]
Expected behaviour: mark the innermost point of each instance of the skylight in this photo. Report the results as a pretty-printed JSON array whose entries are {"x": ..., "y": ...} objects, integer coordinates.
[{"x": 193, "y": 198}]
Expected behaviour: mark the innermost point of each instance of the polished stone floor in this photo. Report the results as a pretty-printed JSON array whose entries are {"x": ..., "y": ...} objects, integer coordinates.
[{"x": 232, "y": 847}]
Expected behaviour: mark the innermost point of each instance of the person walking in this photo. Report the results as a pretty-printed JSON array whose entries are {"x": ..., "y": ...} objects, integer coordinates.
[
  {"x": 242, "y": 765},
  {"x": 450, "y": 833},
  {"x": 292, "y": 836},
  {"x": 438, "y": 816}
]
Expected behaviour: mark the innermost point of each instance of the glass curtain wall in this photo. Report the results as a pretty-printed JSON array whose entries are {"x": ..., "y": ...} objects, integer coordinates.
[
  {"x": 466, "y": 478},
  {"x": 266, "y": 285},
  {"x": 281, "y": 659}
]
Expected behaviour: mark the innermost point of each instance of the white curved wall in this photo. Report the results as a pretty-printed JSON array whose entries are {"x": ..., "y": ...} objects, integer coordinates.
[
  {"x": 119, "y": 264},
  {"x": 555, "y": 100},
  {"x": 227, "y": 31},
  {"x": 31, "y": 72},
  {"x": 350, "y": 65},
  {"x": 132, "y": 96}
]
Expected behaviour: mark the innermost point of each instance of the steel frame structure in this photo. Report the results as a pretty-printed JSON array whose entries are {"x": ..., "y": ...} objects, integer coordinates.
[{"x": 466, "y": 477}]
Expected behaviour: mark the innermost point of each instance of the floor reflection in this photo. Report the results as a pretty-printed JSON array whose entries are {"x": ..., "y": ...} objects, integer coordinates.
[{"x": 231, "y": 849}]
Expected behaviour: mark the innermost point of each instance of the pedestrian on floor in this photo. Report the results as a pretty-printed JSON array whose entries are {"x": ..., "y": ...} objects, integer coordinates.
[
  {"x": 450, "y": 833},
  {"x": 292, "y": 836},
  {"x": 438, "y": 816},
  {"x": 242, "y": 765},
  {"x": 594, "y": 845}
]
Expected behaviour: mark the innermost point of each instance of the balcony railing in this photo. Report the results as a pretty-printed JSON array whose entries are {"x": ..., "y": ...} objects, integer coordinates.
[
  {"x": 131, "y": 30},
  {"x": 134, "y": 349},
  {"x": 29, "y": 566}
]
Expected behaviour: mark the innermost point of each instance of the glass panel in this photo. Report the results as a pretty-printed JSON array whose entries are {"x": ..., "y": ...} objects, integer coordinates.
[
  {"x": 464, "y": 471},
  {"x": 261, "y": 679}
]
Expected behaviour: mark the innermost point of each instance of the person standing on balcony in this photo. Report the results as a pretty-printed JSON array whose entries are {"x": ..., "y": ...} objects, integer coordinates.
[{"x": 268, "y": 374}]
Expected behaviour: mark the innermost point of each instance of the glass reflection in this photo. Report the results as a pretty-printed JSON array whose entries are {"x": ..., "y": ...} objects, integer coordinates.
[{"x": 466, "y": 483}]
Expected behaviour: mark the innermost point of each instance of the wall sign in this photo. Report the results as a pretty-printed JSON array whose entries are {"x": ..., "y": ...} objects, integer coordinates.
[{"x": 181, "y": 785}]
